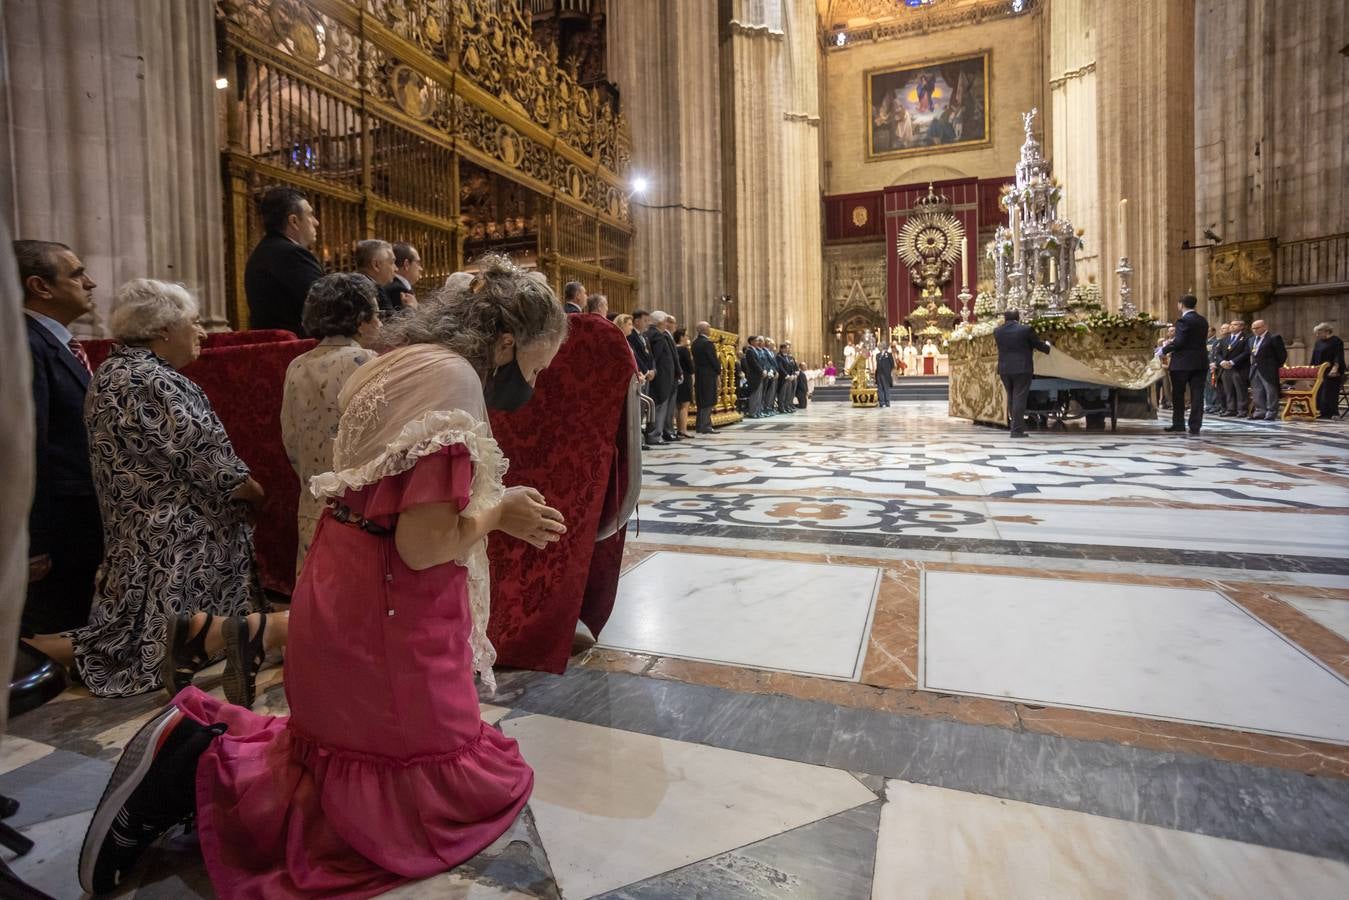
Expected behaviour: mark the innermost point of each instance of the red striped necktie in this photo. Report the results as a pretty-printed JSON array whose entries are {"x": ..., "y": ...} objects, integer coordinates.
[{"x": 78, "y": 349}]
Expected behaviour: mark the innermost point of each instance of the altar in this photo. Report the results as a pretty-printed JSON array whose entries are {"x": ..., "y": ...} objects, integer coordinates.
[{"x": 1101, "y": 363}]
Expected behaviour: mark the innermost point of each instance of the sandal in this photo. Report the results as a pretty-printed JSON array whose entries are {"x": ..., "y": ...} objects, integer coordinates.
[
  {"x": 243, "y": 659},
  {"x": 183, "y": 656}
]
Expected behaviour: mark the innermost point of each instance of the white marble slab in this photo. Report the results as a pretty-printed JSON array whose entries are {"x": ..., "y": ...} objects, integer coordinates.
[
  {"x": 16, "y": 752},
  {"x": 810, "y": 618},
  {"x": 1166, "y": 653},
  {"x": 939, "y": 843},
  {"x": 1333, "y": 614},
  {"x": 613, "y": 807}
]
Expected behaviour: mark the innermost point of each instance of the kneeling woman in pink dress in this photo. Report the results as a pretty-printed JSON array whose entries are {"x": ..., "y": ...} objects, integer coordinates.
[{"x": 384, "y": 770}]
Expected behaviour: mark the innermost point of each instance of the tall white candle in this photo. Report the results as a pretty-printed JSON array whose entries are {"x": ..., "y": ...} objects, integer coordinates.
[
  {"x": 1016, "y": 237},
  {"x": 1124, "y": 228},
  {"x": 1052, "y": 279},
  {"x": 965, "y": 260}
]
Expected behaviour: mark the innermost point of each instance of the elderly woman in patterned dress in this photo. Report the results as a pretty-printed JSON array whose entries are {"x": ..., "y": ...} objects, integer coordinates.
[
  {"x": 178, "y": 582},
  {"x": 343, "y": 312}
]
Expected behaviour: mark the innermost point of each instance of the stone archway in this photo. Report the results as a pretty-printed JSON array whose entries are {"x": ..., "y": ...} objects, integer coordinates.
[{"x": 851, "y": 322}]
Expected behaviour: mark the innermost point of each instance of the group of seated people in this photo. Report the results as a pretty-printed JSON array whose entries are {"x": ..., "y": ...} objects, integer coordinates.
[
  {"x": 142, "y": 572},
  {"x": 1243, "y": 370},
  {"x": 769, "y": 380}
]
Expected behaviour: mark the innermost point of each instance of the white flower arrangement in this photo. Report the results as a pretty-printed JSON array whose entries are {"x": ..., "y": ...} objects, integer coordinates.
[
  {"x": 1039, "y": 298},
  {"x": 984, "y": 305}
]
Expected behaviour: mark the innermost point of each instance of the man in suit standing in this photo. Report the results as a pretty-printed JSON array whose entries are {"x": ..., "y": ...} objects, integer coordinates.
[
  {"x": 663, "y": 385},
  {"x": 752, "y": 363},
  {"x": 1016, "y": 366},
  {"x": 281, "y": 268},
  {"x": 574, "y": 296},
  {"x": 407, "y": 271},
  {"x": 374, "y": 260},
  {"x": 706, "y": 376},
  {"x": 769, "y": 363},
  {"x": 885, "y": 371},
  {"x": 1329, "y": 348},
  {"x": 1232, "y": 370},
  {"x": 1268, "y": 355},
  {"x": 65, "y": 530},
  {"x": 1212, "y": 390},
  {"x": 1189, "y": 366},
  {"x": 787, "y": 368}
]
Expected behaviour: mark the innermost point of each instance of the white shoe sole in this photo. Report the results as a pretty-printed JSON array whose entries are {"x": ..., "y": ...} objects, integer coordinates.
[{"x": 131, "y": 768}]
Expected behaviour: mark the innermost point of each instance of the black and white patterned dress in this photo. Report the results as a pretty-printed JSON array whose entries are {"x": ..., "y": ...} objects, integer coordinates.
[{"x": 164, "y": 470}]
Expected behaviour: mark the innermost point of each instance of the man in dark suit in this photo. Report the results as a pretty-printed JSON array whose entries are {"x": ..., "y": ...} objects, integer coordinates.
[
  {"x": 1233, "y": 370},
  {"x": 574, "y": 296},
  {"x": 1329, "y": 348},
  {"x": 1189, "y": 352},
  {"x": 1268, "y": 355},
  {"x": 769, "y": 364},
  {"x": 885, "y": 371},
  {"x": 752, "y": 363},
  {"x": 787, "y": 369},
  {"x": 706, "y": 376},
  {"x": 407, "y": 271},
  {"x": 666, "y": 367},
  {"x": 65, "y": 531},
  {"x": 375, "y": 260},
  {"x": 1016, "y": 366},
  {"x": 641, "y": 347},
  {"x": 280, "y": 269}
]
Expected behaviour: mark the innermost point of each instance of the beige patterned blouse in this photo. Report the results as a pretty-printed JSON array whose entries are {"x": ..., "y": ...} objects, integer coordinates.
[{"x": 309, "y": 417}]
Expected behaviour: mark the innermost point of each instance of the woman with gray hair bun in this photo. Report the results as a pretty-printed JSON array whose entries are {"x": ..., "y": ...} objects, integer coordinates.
[
  {"x": 178, "y": 580},
  {"x": 342, "y": 311},
  {"x": 384, "y": 771}
]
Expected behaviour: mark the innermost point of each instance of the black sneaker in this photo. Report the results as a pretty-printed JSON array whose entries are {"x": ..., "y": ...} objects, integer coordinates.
[{"x": 152, "y": 789}]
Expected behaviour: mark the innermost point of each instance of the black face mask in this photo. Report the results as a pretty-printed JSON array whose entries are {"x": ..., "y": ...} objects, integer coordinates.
[{"x": 506, "y": 388}]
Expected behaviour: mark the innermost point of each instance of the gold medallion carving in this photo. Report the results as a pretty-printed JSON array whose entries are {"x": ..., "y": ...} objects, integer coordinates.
[{"x": 859, "y": 216}]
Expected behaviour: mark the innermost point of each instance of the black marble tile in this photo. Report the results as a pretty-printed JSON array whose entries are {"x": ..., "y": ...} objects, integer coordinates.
[
  {"x": 950, "y": 544},
  {"x": 833, "y": 857},
  {"x": 1267, "y": 806},
  {"x": 59, "y": 784}
]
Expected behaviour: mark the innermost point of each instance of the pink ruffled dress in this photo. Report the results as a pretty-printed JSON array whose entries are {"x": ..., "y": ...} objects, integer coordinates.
[{"x": 384, "y": 771}]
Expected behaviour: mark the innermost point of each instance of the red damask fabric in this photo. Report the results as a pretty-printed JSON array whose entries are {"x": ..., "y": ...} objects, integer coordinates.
[{"x": 568, "y": 443}]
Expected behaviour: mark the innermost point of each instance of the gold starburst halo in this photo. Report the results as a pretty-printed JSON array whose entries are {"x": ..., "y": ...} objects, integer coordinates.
[{"x": 928, "y": 236}]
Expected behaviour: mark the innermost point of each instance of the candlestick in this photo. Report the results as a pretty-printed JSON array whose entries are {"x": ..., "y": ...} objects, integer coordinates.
[
  {"x": 965, "y": 259},
  {"x": 1124, "y": 227},
  {"x": 1016, "y": 237}
]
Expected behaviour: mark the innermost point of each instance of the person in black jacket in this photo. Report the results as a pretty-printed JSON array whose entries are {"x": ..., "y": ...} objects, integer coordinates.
[
  {"x": 787, "y": 369},
  {"x": 1189, "y": 352},
  {"x": 280, "y": 269},
  {"x": 1329, "y": 348},
  {"x": 407, "y": 271},
  {"x": 375, "y": 260},
  {"x": 1268, "y": 355},
  {"x": 65, "y": 528},
  {"x": 1016, "y": 365},
  {"x": 885, "y": 371},
  {"x": 666, "y": 379},
  {"x": 752, "y": 363},
  {"x": 1233, "y": 370},
  {"x": 706, "y": 377}
]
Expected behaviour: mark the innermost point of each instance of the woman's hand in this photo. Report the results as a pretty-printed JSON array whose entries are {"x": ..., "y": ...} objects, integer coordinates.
[
  {"x": 249, "y": 492},
  {"x": 526, "y": 516}
]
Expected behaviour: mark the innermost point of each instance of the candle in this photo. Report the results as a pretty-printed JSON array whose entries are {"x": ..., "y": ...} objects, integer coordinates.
[
  {"x": 965, "y": 260},
  {"x": 1123, "y": 228},
  {"x": 1052, "y": 279},
  {"x": 1016, "y": 237}
]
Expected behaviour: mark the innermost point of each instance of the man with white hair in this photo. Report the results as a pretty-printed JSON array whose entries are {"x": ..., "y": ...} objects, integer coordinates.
[
  {"x": 666, "y": 367},
  {"x": 1268, "y": 355}
]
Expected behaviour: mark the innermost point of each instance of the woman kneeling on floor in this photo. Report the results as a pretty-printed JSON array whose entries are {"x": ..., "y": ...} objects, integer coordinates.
[{"x": 384, "y": 770}]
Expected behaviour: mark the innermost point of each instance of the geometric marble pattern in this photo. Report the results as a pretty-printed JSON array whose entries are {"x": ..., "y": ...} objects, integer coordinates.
[
  {"x": 1169, "y": 653},
  {"x": 766, "y": 614},
  {"x": 614, "y": 807},
  {"x": 1333, "y": 614},
  {"x": 938, "y": 843}
]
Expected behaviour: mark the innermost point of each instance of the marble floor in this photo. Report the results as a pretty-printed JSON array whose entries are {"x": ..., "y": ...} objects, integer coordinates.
[{"x": 884, "y": 653}]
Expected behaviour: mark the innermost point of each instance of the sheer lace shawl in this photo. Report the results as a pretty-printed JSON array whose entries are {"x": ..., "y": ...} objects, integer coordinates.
[{"x": 406, "y": 405}]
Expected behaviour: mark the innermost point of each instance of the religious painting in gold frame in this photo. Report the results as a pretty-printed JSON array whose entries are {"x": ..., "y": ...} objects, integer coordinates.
[{"x": 929, "y": 107}]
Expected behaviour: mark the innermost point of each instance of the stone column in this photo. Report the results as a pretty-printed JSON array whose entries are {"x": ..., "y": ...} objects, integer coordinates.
[
  {"x": 663, "y": 57},
  {"x": 113, "y": 134},
  {"x": 1145, "y": 133},
  {"x": 771, "y": 171},
  {"x": 1072, "y": 86}
]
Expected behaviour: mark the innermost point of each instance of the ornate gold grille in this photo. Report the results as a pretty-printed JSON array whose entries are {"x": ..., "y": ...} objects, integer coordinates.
[{"x": 369, "y": 105}]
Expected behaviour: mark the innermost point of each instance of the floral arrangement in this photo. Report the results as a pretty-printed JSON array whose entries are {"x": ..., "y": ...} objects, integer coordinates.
[
  {"x": 1039, "y": 297},
  {"x": 984, "y": 304},
  {"x": 919, "y": 313},
  {"x": 1098, "y": 320},
  {"x": 1085, "y": 296},
  {"x": 945, "y": 311}
]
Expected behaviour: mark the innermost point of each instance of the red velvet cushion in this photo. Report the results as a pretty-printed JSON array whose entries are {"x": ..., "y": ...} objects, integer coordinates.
[
  {"x": 566, "y": 443},
  {"x": 1298, "y": 371},
  {"x": 255, "y": 336}
]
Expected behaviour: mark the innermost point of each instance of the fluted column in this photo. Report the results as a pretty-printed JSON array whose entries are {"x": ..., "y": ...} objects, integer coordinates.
[
  {"x": 1145, "y": 130},
  {"x": 112, "y": 126},
  {"x": 1072, "y": 85},
  {"x": 663, "y": 57}
]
